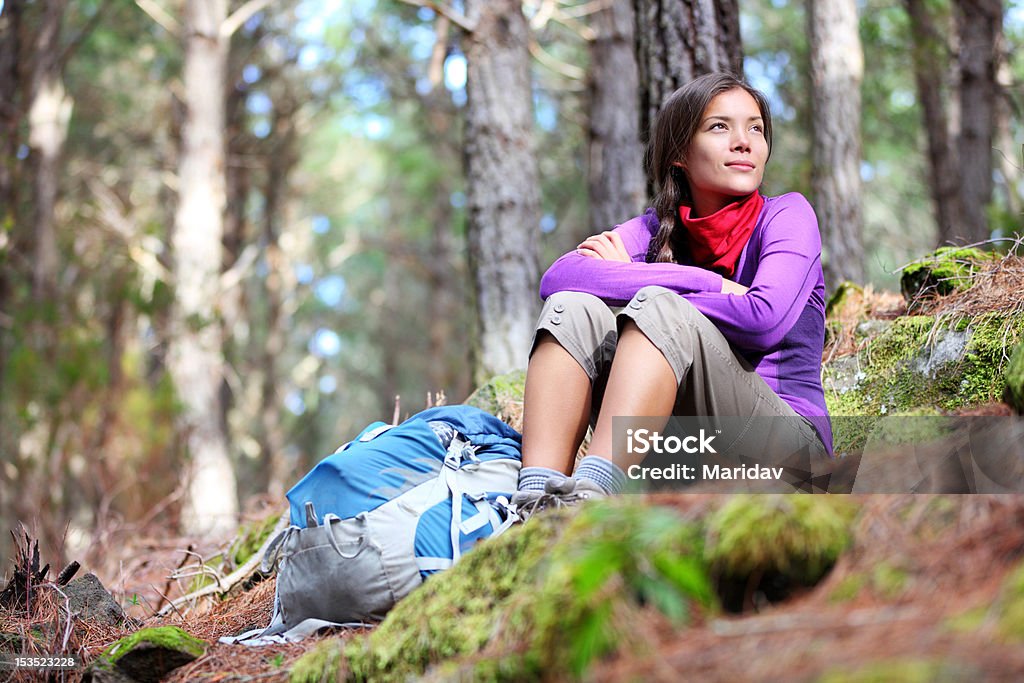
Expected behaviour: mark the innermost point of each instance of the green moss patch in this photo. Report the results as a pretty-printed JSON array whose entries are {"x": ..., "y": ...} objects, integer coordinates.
[
  {"x": 1011, "y": 609},
  {"x": 901, "y": 671},
  {"x": 1014, "y": 391},
  {"x": 946, "y": 270},
  {"x": 322, "y": 664},
  {"x": 551, "y": 597},
  {"x": 148, "y": 654},
  {"x": 502, "y": 396}
]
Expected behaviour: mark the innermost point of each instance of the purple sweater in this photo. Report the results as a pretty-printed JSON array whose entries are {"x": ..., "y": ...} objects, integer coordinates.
[{"x": 778, "y": 325}]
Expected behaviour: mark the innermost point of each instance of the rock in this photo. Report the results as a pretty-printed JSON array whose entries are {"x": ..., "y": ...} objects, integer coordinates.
[
  {"x": 946, "y": 270},
  {"x": 145, "y": 656},
  {"x": 1014, "y": 392},
  {"x": 91, "y": 601}
]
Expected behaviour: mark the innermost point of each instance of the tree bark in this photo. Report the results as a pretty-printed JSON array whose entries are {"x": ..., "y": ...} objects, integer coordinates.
[
  {"x": 195, "y": 356},
  {"x": 48, "y": 117},
  {"x": 678, "y": 40},
  {"x": 616, "y": 185},
  {"x": 979, "y": 25},
  {"x": 503, "y": 193},
  {"x": 930, "y": 54},
  {"x": 837, "y": 66}
]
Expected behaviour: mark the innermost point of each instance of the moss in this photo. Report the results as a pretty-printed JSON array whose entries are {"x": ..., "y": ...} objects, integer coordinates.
[
  {"x": 1011, "y": 609},
  {"x": 844, "y": 292},
  {"x": 1014, "y": 391},
  {"x": 251, "y": 537},
  {"x": 899, "y": 671},
  {"x": 849, "y": 588},
  {"x": 797, "y": 536},
  {"x": 501, "y": 396},
  {"x": 323, "y": 664},
  {"x": 920, "y": 363},
  {"x": 969, "y": 621},
  {"x": 168, "y": 637},
  {"x": 947, "y": 270},
  {"x": 889, "y": 580},
  {"x": 549, "y": 597}
]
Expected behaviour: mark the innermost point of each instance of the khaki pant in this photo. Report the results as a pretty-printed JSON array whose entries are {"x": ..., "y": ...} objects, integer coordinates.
[{"x": 715, "y": 383}]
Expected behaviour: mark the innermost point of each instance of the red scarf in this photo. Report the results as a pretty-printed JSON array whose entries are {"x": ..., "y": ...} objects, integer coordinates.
[{"x": 716, "y": 241}]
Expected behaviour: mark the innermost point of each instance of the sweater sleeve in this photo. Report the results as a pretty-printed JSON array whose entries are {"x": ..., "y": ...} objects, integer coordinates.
[
  {"x": 616, "y": 282},
  {"x": 787, "y": 273}
]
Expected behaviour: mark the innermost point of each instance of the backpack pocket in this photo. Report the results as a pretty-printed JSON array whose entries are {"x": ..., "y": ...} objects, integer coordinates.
[{"x": 332, "y": 572}]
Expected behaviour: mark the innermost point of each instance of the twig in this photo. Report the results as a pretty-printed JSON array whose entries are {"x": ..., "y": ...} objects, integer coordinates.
[
  {"x": 160, "y": 16},
  {"x": 234, "y": 577},
  {"x": 456, "y": 18},
  {"x": 556, "y": 65},
  {"x": 167, "y": 586},
  {"x": 240, "y": 16}
]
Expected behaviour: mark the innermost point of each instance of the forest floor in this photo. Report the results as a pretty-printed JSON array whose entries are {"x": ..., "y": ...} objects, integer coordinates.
[{"x": 920, "y": 595}]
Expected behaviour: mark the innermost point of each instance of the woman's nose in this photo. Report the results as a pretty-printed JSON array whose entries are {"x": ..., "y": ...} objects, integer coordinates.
[{"x": 741, "y": 140}]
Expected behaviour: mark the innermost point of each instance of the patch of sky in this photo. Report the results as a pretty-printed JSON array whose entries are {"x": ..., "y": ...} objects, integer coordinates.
[
  {"x": 902, "y": 99},
  {"x": 328, "y": 384},
  {"x": 763, "y": 72},
  {"x": 330, "y": 290},
  {"x": 325, "y": 343},
  {"x": 425, "y": 14},
  {"x": 261, "y": 128},
  {"x": 312, "y": 56},
  {"x": 545, "y": 112},
  {"x": 455, "y": 72},
  {"x": 421, "y": 38},
  {"x": 320, "y": 224},
  {"x": 251, "y": 73},
  {"x": 778, "y": 4},
  {"x": 294, "y": 403},
  {"x": 304, "y": 273},
  {"x": 258, "y": 103},
  {"x": 867, "y": 171},
  {"x": 367, "y": 92},
  {"x": 548, "y": 223},
  {"x": 22, "y": 152},
  {"x": 457, "y": 199},
  {"x": 376, "y": 127},
  {"x": 423, "y": 85}
]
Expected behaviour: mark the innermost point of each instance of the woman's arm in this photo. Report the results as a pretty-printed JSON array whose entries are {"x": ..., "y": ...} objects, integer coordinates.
[
  {"x": 787, "y": 274},
  {"x": 615, "y": 282}
]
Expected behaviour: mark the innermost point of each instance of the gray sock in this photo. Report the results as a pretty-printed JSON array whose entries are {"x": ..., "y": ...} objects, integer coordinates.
[
  {"x": 534, "y": 478},
  {"x": 602, "y": 472}
]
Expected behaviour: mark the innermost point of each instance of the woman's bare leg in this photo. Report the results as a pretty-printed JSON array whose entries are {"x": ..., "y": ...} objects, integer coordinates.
[
  {"x": 641, "y": 383},
  {"x": 556, "y": 406}
]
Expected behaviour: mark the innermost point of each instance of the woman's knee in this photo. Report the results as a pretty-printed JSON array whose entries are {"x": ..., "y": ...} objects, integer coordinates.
[{"x": 581, "y": 323}]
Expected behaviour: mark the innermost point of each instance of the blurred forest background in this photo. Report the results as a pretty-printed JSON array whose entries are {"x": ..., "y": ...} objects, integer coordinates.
[{"x": 231, "y": 233}]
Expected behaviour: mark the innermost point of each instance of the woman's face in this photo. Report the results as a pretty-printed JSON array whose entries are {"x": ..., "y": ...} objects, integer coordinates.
[{"x": 727, "y": 155}]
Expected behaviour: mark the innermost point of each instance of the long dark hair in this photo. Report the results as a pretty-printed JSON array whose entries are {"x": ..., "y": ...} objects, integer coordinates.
[{"x": 673, "y": 130}]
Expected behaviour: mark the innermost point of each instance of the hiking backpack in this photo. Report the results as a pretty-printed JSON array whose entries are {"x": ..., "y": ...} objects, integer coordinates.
[{"x": 396, "y": 504}]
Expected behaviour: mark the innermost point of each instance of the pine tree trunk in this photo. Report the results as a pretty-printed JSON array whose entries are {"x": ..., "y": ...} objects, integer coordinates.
[
  {"x": 930, "y": 54},
  {"x": 678, "y": 40},
  {"x": 196, "y": 358},
  {"x": 837, "y": 66},
  {"x": 502, "y": 185},
  {"x": 617, "y": 186},
  {"x": 979, "y": 25}
]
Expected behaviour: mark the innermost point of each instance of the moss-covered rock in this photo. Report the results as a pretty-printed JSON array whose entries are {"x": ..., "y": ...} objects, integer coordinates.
[
  {"x": 551, "y": 596},
  {"x": 325, "y": 663},
  {"x": 903, "y": 671},
  {"x": 148, "y": 655},
  {"x": 502, "y": 396},
  {"x": 946, "y": 270},
  {"x": 798, "y": 536},
  {"x": 1014, "y": 392}
]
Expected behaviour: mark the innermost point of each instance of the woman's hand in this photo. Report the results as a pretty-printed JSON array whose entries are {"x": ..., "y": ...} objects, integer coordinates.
[
  {"x": 730, "y": 287},
  {"x": 606, "y": 246}
]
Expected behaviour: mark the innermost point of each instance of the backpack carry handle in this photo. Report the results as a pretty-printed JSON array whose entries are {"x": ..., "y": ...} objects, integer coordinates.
[{"x": 330, "y": 519}]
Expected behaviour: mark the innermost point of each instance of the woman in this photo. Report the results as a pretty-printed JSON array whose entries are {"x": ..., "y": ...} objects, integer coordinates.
[{"x": 723, "y": 306}]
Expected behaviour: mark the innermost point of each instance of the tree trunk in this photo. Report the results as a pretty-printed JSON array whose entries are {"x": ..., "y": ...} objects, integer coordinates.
[
  {"x": 617, "y": 185},
  {"x": 979, "y": 25},
  {"x": 48, "y": 117},
  {"x": 196, "y": 358},
  {"x": 503, "y": 193},
  {"x": 678, "y": 40},
  {"x": 837, "y": 66},
  {"x": 930, "y": 54}
]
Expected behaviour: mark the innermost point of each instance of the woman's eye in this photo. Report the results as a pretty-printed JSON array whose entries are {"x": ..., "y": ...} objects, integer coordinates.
[
  {"x": 758, "y": 129},
  {"x": 716, "y": 126}
]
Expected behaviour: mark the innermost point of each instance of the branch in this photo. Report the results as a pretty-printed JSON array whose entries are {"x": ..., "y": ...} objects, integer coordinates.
[
  {"x": 80, "y": 37},
  {"x": 234, "y": 577},
  {"x": 455, "y": 17},
  {"x": 240, "y": 16},
  {"x": 157, "y": 14},
  {"x": 556, "y": 65}
]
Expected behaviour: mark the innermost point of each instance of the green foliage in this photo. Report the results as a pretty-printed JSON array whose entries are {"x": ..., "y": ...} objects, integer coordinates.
[
  {"x": 1014, "y": 392},
  {"x": 944, "y": 271},
  {"x": 251, "y": 537},
  {"x": 169, "y": 637},
  {"x": 1011, "y": 607},
  {"x": 798, "y": 536},
  {"x": 322, "y": 664},
  {"x": 901, "y": 671},
  {"x": 549, "y": 597}
]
